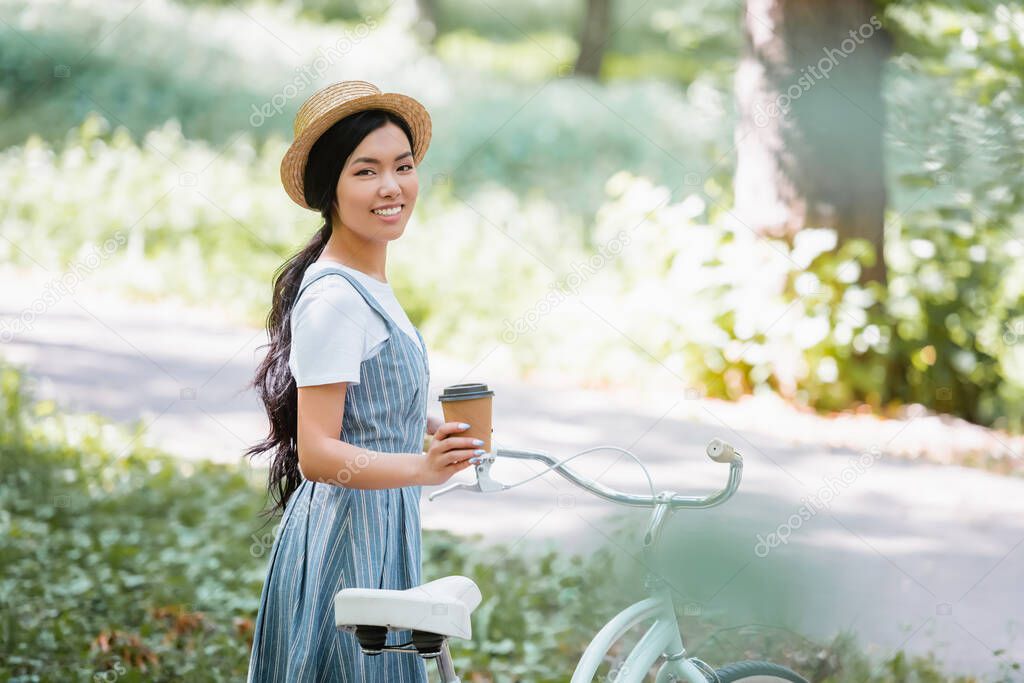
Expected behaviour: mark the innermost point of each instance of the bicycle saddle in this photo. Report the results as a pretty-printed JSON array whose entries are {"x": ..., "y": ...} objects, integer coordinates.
[{"x": 438, "y": 608}]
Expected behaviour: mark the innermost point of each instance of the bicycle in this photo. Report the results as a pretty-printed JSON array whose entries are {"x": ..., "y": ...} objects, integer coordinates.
[{"x": 441, "y": 609}]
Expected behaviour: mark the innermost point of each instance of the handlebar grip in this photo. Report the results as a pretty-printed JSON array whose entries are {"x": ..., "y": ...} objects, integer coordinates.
[{"x": 720, "y": 451}]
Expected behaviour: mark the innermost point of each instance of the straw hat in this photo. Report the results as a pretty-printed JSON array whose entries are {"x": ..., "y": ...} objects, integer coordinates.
[{"x": 329, "y": 105}]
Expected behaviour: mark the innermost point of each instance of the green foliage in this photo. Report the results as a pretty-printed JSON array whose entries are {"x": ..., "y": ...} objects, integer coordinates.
[
  {"x": 956, "y": 241},
  {"x": 540, "y": 607},
  {"x": 57, "y": 70},
  {"x": 212, "y": 224},
  {"x": 119, "y": 563},
  {"x": 106, "y": 553},
  {"x": 764, "y": 314},
  {"x": 115, "y": 558},
  {"x": 211, "y": 86},
  {"x": 532, "y": 59},
  {"x": 562, "y": 139},
  {"x": 658, "y": 40},
  {"x": 759, "y": 314},
  {"x": 522, "y": 204}
]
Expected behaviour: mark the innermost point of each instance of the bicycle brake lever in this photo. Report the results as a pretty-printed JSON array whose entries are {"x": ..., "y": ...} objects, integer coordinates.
[{"x": 483, "y": 484}]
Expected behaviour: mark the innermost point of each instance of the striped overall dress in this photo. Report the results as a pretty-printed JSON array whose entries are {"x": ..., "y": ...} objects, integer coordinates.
[{"x": 332, "y": 537}]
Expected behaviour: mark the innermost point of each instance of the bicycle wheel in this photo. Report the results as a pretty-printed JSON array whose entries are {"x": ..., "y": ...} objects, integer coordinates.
[{"x": 754, "y": 672}]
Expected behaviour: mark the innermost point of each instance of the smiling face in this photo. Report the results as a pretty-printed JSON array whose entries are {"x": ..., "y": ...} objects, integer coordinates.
[{"x": 379, "y": 174}]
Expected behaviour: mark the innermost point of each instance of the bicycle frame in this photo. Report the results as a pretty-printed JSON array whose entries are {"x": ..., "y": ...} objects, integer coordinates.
[{"x": 662, "y": 639}]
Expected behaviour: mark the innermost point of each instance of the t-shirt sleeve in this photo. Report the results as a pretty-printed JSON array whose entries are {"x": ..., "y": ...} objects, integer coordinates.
[{"x": 329, "y": 333}]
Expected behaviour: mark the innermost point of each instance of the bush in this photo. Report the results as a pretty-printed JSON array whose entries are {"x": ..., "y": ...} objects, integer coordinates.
[
  {"x": 227, "y": 86},
  {"x": 956, "y": 236},
  {"x": 115, "y": 558},
  {"x": 152, "y": 68}
]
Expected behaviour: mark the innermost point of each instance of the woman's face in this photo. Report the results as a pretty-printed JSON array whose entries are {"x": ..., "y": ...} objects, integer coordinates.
[{"x": 379, "y": 174}]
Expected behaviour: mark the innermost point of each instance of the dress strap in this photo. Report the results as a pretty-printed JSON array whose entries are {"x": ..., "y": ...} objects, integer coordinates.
[{"x": 370, "y": 300}]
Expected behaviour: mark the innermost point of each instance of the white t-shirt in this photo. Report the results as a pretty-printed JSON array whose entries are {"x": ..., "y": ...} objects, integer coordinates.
[{"x": 334, "y": 329}]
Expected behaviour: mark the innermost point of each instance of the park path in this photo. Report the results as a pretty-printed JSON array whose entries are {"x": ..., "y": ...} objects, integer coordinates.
[{"x": 908, "y": 554}]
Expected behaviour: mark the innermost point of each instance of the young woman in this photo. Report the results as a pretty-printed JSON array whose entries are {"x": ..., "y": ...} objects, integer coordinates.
[{"x": 345, "y": 385}]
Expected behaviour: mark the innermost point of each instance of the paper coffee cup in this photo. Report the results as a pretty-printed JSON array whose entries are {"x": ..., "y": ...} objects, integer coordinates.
[{"x": 472, "y": 404}]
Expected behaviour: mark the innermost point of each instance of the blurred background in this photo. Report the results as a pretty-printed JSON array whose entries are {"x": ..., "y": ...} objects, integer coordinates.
[{"x": 795, "y": 225}]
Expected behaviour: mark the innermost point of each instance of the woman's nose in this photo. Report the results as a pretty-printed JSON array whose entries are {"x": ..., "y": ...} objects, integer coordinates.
[{"x": 389, "y": 187}]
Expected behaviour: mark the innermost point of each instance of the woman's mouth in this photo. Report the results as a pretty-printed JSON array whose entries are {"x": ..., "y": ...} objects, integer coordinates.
[{"x": 389, "y": 214}]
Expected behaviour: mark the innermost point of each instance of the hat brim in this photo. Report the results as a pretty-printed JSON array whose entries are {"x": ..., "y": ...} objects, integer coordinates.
[{"x": 293, "y": 165}]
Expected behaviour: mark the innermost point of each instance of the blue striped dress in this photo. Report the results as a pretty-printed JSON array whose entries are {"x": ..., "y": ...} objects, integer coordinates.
[{"x": 332, "y": 537}]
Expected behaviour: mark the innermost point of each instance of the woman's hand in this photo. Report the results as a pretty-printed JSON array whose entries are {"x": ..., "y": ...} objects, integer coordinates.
[{"x": 448, "y": 454}]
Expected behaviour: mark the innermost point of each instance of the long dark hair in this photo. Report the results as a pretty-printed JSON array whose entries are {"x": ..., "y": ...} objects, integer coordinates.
[{"x": 273, "y": 381}]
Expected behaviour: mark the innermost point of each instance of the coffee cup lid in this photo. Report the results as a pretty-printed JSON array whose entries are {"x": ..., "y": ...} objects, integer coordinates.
[{"x": 464, "y": 392}]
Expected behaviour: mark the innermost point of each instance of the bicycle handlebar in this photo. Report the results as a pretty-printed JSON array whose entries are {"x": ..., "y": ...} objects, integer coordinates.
[{"x": 717, "y": 450}]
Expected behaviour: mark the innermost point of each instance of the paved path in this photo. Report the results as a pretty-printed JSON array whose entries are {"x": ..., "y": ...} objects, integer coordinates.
[{"x": 907, "y": 554}]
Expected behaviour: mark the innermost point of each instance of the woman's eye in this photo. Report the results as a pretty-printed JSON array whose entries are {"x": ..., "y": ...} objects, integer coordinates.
[{"x": 371, "y": 170}]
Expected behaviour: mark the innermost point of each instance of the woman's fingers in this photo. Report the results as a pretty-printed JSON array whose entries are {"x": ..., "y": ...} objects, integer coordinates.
[
  {"x": 454, "y": 457},
  {"x": 448, "y": 428},
  {"x": 453, "y": 442},
  {"x": 453, "y": 451}
]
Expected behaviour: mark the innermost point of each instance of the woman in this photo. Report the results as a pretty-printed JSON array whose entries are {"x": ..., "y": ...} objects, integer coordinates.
[{"x": 345, "y": 385}]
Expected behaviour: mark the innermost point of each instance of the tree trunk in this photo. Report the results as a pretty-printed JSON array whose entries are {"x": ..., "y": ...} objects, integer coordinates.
[
  {"x": 809, "y": 137},
  {"x": 593, "y": 38}
]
